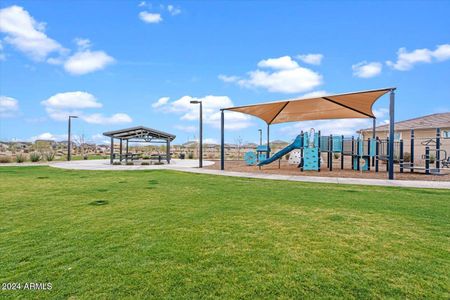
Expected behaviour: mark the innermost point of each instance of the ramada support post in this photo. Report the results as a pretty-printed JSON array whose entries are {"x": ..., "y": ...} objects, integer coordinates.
[
  {"x": 222, "y": 140},
  {"x": 126, "y": 151},
  {"x": 111, "y": 151},
  {"x": 391, "y": 133},
  {"x": 168, "y": 151},
  {"x": 120, "y": 151}
]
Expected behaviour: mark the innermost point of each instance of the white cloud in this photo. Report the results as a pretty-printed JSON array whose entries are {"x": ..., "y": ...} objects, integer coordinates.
[
  {"x": 9, "y": 107},
  {"x": 366, "y": 69},
  {"x": 27, "y": 35},
  {"x": 314, "y": 94},
  {"x": 87, "y": 61},
  {"x": 2, "y": 55},
  {"x": 148, "y": 17},
  {"x": 60, "y": 106},
  {"x": 186, "y": 128},
  {"x": 406, "y": 60},
  {"x": 210, "y": 141},
  {"x": 82, "y": 44},
  {"x": 142, "y": 4},
  {"x": 312, "y": 59},
  {"x": 285, "y": 76},
  {"x": 173, "y": 10},
  {"x": 161, "y": 102},
  {"x": 211, "y": 114},
  {"x": 442, "y": 52},
  {"x": 72, "y": 100},
  {"x": 98, "y": 118},
  {"x": 226, "y": 78},
  {"x": 280, "y": 63},
  {"x": 99, "y": 138}
]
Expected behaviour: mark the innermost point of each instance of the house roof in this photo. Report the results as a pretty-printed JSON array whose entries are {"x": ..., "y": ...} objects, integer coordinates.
[
  {"x": 338, "y": 106},
  {"x": 140, "y": 132},
  {"x": 439, "y": 120}
]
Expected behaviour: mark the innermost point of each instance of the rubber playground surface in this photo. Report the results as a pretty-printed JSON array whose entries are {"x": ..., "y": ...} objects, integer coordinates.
[{"x": 287, "y": 169}]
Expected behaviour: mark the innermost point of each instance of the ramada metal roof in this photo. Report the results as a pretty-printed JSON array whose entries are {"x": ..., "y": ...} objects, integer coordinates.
[
  {"x": 140, "y": 132},
  {"x": 439, "y": 120}
]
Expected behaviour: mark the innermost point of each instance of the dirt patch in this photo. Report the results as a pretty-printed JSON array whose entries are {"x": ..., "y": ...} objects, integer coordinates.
[{"x": 285, "y": 169}]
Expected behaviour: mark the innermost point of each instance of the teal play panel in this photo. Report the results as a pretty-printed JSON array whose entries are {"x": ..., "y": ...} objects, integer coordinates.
[
  {"x": 311, "y": 159},
  {"x": 250, "y": 158},
  {"x": 337, "y": 143},
  {"x": 363, "y": 163}
]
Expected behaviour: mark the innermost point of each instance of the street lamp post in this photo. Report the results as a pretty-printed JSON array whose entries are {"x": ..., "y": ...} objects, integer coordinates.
[
  {"x": 200, "y": 159},
  {"x": 68, "y": 137}
]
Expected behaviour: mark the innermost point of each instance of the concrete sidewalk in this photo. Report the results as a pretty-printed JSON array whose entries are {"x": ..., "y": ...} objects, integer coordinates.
[
  {"x": 191, "y": 166},
  {"x": 335, "y": 180}
]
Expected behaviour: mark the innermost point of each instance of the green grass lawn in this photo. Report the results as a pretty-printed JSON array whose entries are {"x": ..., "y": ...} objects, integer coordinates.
[{"x": 166, "y": 234}]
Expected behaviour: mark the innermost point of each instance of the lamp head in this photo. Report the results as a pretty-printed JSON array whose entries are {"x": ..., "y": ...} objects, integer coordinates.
[
  {"x": 75, "y": 117},
  {"x": 195, "y": 102}
]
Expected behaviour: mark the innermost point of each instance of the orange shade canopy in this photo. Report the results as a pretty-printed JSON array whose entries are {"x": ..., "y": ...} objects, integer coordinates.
[{"x": 339, "y": 106}]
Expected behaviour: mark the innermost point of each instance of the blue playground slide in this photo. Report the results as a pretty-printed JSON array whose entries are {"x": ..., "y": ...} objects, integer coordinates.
[{"x": 297, "y": 144}]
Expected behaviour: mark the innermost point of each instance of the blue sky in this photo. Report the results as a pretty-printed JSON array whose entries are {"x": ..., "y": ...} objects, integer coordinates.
[{"x": 123, "y": 63}]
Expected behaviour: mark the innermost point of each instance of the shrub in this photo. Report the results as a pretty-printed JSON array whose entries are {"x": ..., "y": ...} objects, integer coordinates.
[
  {"x": 85, "y": 157},
  {"x": 158, "y": 163},
  {"x": 20, "y": 158},
  {"x": 336, "y": 155},
  {"x": 145, "y": 157},
  {"x": 130, "y": 163},
  {"x": 5, "y": 159},
  {"x": 287, "y": 156},
  {"x": 49, "y": 156},
  {"x": 117, "y": 163},
  {"x": 432, "y": 159},
  {"x": 407, "y": 157},
  {"x": 191, "y": 155},
  {"x": 35, "y": 157},
  {"x": 145, "y": 163}
]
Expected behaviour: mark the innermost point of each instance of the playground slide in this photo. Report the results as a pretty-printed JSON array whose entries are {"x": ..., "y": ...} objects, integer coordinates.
[{"x": 297, "y": 144}]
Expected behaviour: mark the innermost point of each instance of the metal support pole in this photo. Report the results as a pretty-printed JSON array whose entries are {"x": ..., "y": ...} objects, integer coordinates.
[
  {"x": 412, "y": 151},
  {"x": 120, "y": 151},
  {"x": 377, "y": 152},
  {"x": 260, "y": 137},
  {"x": 168, "y": 151},
  {"x": 401, "y": 157},
  {"x": 111, "y": 151},
  {"x": 126, "y": 151},
  {"x": 200, "y": 162},
  {"x": 331, "y": 153},
  {"x": 374, "y": 124},
  {"x": 319, "y": 157},
  {"x": 353, "y": 152},
  {"x": 438, "y": 149},
  {"x": 342, "y": 153},
  {"x": 427, "y": 160},
  {"x": 268, "y": 140},
  {"x": 222, "y": 141},
  {"x": 391, "y": 134},
  {"x": 68, "y": 142}
]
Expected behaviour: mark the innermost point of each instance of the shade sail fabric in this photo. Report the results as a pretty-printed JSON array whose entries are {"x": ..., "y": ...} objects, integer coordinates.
[{"x": 341, "y": 106}]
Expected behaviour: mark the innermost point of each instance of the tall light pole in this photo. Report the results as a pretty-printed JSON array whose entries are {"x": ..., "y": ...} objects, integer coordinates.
[
  {"x": 200, "y": 159},
  {"x": 68, "y": 137},
  {"x": 260, "y": 137}
]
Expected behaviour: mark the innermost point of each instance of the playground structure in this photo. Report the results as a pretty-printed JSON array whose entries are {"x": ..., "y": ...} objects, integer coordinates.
[
  {"x": 309, "y": 151},
  {"x": 364, "y": 154}
]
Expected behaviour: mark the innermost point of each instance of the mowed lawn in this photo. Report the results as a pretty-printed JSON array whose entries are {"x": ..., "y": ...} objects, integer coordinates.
[{"x": 167, "y": 234}]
